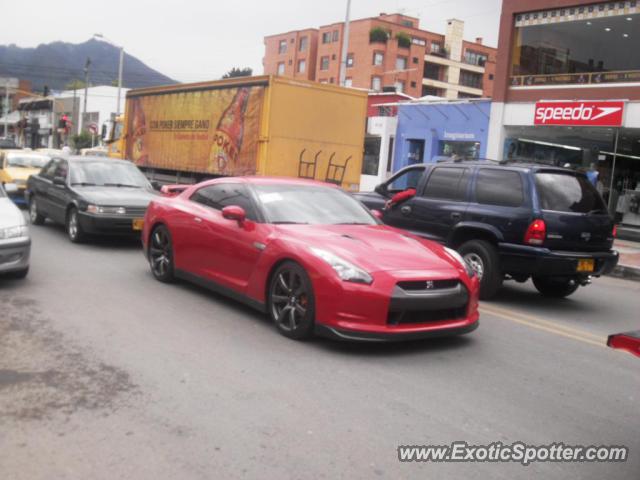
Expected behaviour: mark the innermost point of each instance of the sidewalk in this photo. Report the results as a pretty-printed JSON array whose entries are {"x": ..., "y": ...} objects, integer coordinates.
[{"x": 629, "y": 264}]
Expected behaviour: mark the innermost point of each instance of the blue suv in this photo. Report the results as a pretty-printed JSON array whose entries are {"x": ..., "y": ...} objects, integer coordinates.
[{"x": 509, "y": 220}]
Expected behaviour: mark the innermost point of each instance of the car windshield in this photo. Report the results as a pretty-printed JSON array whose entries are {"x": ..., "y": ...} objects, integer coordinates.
[
  {"x": 567, "y": 192},
  {"x": 107, "y": 173},
  {"x": 314, "y": 205},
  {"x": 27, "y": 161}
]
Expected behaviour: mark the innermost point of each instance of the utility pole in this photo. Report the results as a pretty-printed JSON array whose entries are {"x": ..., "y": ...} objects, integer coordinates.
[
  {"x": 345, "y": 46},
  {"x": 6, "y": 108},
  {"x": 120, "y": 79},
  {"x": 86, "y": 87}
]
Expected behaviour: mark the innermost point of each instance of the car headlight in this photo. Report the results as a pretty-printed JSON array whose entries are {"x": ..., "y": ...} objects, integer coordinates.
[
  {"x": 106, "y": 210},
  {"x": 345, "y": 270},
  {"x": 14, "y": 232},
  {"x": 456, "y": 256}
]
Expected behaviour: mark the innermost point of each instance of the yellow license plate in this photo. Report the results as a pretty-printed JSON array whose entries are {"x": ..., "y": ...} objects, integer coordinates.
[
  {"x": 585, "y": 265},
  {"x": 138, "y": 224}
]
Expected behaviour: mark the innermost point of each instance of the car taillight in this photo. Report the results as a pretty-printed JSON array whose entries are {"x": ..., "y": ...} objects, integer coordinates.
[
  {"x": 615, "y": 231},
  {"x": 536, "y": 233}
]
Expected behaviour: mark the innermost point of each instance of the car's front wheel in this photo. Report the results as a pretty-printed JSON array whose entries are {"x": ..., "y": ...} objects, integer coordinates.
[
  {"x": 34, "y": 215},
  {"x": 483, "y": 257},
  {"x": 74, "y": 229},
  {"x": 555, "y": 287},
  {"x": 161, "y": 254},
  {"x": 291, "y": 301}
]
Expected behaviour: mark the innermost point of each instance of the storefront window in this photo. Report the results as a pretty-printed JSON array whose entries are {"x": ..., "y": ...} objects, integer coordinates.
[
  {"x": 464, "y": 150},
  {"x": 581, "y": 49},
  {"x": 371, "y": 159}
]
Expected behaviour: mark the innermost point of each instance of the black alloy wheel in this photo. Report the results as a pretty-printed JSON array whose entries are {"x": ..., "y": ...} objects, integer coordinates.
[
  {"x": 34, "y": 215},
  {"x": 291, "y": 301},
  {"x": 161, "y": 254}
]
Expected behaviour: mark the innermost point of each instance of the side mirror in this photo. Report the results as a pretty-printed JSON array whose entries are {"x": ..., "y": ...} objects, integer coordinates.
[
  {"x": 156, "y": 185},
  {"x": 10, "y": 188},
  {"x": 59, "y": 181},
  {"x": 233, "y": 212},
  {"x": 377, "y": 213},
  {"x": 381, "y": 190}
]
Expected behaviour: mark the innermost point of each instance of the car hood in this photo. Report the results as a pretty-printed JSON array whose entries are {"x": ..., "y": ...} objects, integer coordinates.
[
  {"x": 10, "y": 215},
  {"x": 21, "y": 173},
  {"x": 116, "y": 196},
  {"x": 373, "y": 247}
]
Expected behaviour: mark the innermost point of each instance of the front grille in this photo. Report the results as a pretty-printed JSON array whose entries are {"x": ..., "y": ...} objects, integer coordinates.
[
  {"x": 425, "y": 316},
  {"x": 421, "y": 285},
  {"x": 136, "y": 211}
]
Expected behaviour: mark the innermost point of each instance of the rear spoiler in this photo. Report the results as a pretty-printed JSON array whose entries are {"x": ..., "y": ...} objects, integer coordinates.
[
  {"x": 173, "y": 190},
  {"x": 629, "y": 342}
]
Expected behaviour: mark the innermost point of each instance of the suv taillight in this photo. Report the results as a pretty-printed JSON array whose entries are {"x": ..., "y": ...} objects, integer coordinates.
[
  {"x": 614, "y": 233},
  {"x": 536, "y": 233}
]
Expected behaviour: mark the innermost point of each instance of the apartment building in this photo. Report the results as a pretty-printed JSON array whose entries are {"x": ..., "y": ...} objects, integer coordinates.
[{"x": 387, "y": 52}]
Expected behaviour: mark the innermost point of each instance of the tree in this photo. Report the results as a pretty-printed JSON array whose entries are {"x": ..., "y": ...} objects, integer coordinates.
[
  {"x": 83, "y": 140},
  {"x": 404, "y": 40},
  {"x": 238, "y": 72},
  {"x": 378, "y": 35}
]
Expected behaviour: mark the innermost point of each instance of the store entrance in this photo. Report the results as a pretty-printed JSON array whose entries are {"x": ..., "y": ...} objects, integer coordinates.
[{"x": 611, "y": 152}]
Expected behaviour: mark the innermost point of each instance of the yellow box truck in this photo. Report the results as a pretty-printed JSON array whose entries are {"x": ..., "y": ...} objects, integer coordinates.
[{"x": 244, "y": 126}]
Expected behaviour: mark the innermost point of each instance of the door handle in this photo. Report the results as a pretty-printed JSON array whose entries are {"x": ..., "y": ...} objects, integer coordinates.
[
  {"x": 406, "y": 210},
  {"x": 456, "y": 216},
  {"x": 197, "y": 219}
]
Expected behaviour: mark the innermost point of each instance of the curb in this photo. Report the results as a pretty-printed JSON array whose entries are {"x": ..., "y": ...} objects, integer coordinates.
[{"x": 627, "y": 272}]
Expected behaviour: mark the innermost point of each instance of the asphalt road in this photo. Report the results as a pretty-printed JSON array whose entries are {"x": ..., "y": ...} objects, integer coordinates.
[{"x": 106, "y": 373}]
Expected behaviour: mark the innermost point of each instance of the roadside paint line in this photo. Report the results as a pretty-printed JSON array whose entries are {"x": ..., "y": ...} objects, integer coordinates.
[
  {"x": 555, "y": 331},
  {"x": 548, "y": 323}
]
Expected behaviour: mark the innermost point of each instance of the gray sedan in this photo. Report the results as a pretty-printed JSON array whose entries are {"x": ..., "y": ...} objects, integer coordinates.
[{"x": 15, "y": 242}]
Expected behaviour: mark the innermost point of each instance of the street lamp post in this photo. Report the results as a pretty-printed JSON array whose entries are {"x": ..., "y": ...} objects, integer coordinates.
[
  {"x": 102, "y": 37},
  {"x": 345, "y": 46}
]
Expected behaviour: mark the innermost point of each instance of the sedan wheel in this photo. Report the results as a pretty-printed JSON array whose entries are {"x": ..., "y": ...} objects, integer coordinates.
[
  {"x": 161, "y": 254},
  {"x": 74, "y": 229},
  {"x": 35, "y": 217},
  {"x": 291, "y": 301}
]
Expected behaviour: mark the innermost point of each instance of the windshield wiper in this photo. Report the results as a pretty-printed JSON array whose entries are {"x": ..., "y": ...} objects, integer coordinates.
[
  {"x": 123, "y": 185},
  {"x": 84, "y": 184},
  {"x": 284, "y": 222}
]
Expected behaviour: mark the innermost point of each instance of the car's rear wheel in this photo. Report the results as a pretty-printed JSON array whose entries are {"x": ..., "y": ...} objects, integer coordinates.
[
  {"x": 74, "y": 230},
  {"x": 291, "y": 301},
  {"x": 34, "y": 215},
  {"x": 483, "y": 257},
  {"x": 161, "y": 254},
  {"x": 555, "y": 287}
]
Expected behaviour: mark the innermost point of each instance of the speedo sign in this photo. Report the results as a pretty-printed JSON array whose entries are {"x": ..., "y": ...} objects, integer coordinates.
[{"x": 586, "y": 113}]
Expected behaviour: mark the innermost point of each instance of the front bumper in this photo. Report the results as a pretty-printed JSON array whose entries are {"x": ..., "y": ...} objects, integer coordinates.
[
  {"x": 107, "y": 224},
  {"x": 14, "y": 254},
  {"x": 384, "y": 312},
  {"x": 539, "y": 261}
]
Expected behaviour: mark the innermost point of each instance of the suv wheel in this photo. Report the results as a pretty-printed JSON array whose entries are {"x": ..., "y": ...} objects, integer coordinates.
[
  {"x": 483, "y": 257},
  {"x": 555, "y": 287}
]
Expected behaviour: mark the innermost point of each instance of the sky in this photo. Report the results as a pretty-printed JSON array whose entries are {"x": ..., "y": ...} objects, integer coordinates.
[{"x": 194, "y": 40}]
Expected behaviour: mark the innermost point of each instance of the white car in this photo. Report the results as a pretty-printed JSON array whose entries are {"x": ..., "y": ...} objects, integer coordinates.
[{"x": 15, "y": 241}]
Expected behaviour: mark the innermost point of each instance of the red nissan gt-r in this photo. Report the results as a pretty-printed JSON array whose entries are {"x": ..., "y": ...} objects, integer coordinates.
[{"x": 312, "y": 257}]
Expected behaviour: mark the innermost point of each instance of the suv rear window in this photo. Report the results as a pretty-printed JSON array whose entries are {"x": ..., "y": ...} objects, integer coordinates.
[
  {"x": 499, "y": 187},
  {"x": 447, "y": 183},
  {"x": 566, "y": 192}
]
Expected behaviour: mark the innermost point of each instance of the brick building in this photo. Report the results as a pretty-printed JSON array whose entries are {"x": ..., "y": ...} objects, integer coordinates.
[{"x": 385, "y": 52}]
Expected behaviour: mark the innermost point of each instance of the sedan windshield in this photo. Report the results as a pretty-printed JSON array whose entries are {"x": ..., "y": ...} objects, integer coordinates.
[
  {"x": 107, "y": 173},
  {"x": 315, "y": 205},
  {"x": 27, "y": 161}
]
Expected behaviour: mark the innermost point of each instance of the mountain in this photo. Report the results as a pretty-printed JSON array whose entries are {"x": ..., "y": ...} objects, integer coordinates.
[{"x": 58, "y": 63}]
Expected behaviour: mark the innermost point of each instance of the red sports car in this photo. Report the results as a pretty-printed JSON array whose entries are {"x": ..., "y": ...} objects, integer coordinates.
[{"x": 312, "y": 257}]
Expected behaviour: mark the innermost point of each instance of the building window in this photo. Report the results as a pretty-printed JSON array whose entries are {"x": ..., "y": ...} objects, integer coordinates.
[
  {"x": 348, "y": 82},
  {"x": 436, "y": 48},
  {"x": 431, "y": 91},
  {"x": 282, "y": 47},
  {"x": 335, "y": 36},
  {"x": 350, "y": 61},
  {"x": 432, "y": 71},
  {"x": 470, "y": 79},
  {"x": 378, "y": 58},
  {"x": 419, "y": 41},
  {"x": 326, "y": 37},
  {"x": 302, "y": 66},
  {"x": 414, "y": 84},
  {"x": 324, "y": 63},
  {"x": 407, "y": 23},
  {"x": 376, "y": 84},
  {"x": 491, "y": 76},
  {"x": 475, "y": 58},
  {"x": 281, "y": 68},
  {"x": 596, "y": 50},
  {"x": 415, "y": 60},
  {"x": 401, "y": 63},
  {"x": 390, "y": 154},
  {"x": 371, "y": 159},
  {"x": 400, "y": 85},
  {"x": 304, "y": 44}
]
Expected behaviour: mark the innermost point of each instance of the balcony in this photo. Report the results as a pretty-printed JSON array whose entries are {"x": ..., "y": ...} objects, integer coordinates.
[{"x": 448, "y": 62}]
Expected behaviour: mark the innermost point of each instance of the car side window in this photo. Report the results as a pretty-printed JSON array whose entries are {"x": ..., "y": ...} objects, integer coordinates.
[
  {"x": 62, "y": 170},
  {"x": 223, "y": 195},
  {"x": 499, "y": 187},
  {"x": 408, "y": 179},
  {"x": 447, "y": 183},
  {"x": 49, "y": 169}
]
